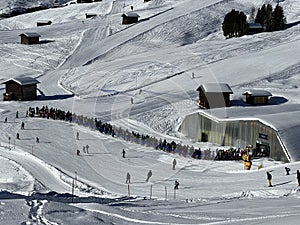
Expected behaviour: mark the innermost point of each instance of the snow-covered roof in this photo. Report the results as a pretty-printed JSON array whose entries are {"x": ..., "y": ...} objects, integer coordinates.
[
  {"x": 130, "y": 14},
  {"x": 30, "y": 34},
  {"x": 44, "y": 21},
  {"x": 23, "y": 80},
  {"x": 216, "y": 88},
  {"x": 257, "y": 93},
  {"x": 255, "y": 25}
]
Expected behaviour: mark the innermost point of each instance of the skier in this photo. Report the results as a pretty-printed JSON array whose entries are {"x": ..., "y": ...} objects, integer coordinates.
[
  {"x": 123, "y": 153},
  {"x": 128, "y": 178},
  {"x": 174, "y": 164},
  {"x": 131, "y": 100},
  {"x": 149, "y": 175},
  {"x": 176, "y": 185},
  {"x": 77, "y": 135},
  {"x": 37, "y": 140},
  {"x": 22, "y": 126},
  {"x": 87, "y": 149},
  {"x": 5, "y": 120},
  {"x": 269, "y": 177},
  {"x": 287, "y": 170},
  {"x": 17, "y": 114},
  {"x": 18, "y": 136},
  {"x": 298, "y": 177},
  {"x": 77, "y": 152},
  {"x": 83, "y": 149}
]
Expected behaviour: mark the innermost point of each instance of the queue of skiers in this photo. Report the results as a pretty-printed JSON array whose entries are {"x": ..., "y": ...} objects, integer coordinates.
[{"x": 237, "y": 153}]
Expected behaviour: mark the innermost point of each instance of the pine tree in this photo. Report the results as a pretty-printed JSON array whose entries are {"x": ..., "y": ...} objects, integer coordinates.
[
  {"x": 235, "y": 24},
  {"x": 278, "y": 19}
]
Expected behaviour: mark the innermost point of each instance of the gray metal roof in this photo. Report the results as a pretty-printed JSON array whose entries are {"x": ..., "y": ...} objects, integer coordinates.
[
  {"x": 23, "y": 80},
  {"x": 257, "y": 93},
  {"x": 30, "y": 34},
  {"x": 131, "y": 14},
  {"x": 216, "y": 88},
  {"x": 255, "y": 25}
]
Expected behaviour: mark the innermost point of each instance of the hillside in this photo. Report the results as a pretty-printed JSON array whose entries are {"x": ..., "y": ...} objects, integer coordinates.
[{"x": 96, "y": 67}]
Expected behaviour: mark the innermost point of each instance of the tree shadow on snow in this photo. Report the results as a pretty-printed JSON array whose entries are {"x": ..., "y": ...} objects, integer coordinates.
[{"x": 289, "y": 25}]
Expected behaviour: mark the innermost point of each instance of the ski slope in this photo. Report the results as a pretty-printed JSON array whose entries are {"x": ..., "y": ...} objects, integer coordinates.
[{"x": 94, "y": 67}]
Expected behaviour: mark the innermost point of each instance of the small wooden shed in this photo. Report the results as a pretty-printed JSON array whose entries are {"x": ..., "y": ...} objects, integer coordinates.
[
  {"x": 254, "y": 28},
  {"x": 130, "y": 17},
  {"x": 84, "y": 1},
  {"x": 40, "y": 23},
  {"x": 20, "y": 88},
  {"x": 257, "y": 97},
  {"x": 30, "y": 38},
  {"x": 214, "y": 95},
  {"x": 90, "y": 15}
]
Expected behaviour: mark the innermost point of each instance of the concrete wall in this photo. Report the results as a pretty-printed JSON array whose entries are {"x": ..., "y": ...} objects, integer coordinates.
[{"x": 237, "y": 133}]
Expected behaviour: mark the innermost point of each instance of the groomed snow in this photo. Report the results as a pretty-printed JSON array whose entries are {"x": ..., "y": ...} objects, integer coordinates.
[{"x": 94, "y": 67}]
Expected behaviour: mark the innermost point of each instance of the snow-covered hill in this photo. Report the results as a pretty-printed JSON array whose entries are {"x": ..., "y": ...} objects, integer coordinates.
[{"x": 106, "y": 64}]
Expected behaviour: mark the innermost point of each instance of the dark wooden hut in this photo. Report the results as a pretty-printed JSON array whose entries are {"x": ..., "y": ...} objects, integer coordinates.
[
  {"x": 30, "y": 38},
  {"x": 130, "y": 17},
  {"x": 256, "y": 97},
  {"x": 90, "y": 15},
  {"x": 43, "y": 23},
  {"x": 214, "y": 95},
  {"x": 85, "y": 1},
  {"x": 254, "y": 28},
  {"x": 20, "y": 88}
]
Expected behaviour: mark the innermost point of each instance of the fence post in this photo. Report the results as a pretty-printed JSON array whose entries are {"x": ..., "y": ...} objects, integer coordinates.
[
  {"x": 73, "y": 190},
  {"x": 166, "y": 193},
  {"x": 128, "y": 187}
]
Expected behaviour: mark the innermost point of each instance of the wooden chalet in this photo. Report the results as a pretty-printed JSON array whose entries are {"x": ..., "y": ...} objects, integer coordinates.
[
  {"x": 30, "y": 38},
  {"x": 20, "y": 88},
  {"x": 85, "y": 1},
  {"x": 130, "y": 17},
  {"x": 90, "y": 15},
  {"x": 43, "y": 23},
  {"x": 254, "y": 28},
  {"x": 214, "y": 95},
  {"x": 256, "y": 97}
]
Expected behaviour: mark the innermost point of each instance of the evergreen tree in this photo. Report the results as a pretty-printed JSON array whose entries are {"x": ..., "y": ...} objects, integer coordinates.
[
  {"x": 235, "y": 24},
  {"x": 268, "y": 18},
  {"x": 278, "y": 19}
]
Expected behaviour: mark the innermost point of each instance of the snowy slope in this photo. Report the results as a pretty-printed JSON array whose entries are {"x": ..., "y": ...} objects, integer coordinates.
[{"x": 105, "y": 64}]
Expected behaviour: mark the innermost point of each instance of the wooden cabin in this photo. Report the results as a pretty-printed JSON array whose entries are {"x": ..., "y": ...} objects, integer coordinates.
[
  {"x": 214, "y": 95},
  {"x": 85, "y": 1},
  {"x": 43, "y": 23},
  {"x": 254, "y": 28},
  {"x": 30, "y": 38},
  {"x": 90, "y": 15},
  {"x": 257, "y": 97},
  {"x": 20, "y": 88},
  {"x": 130, "y": 17}
]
